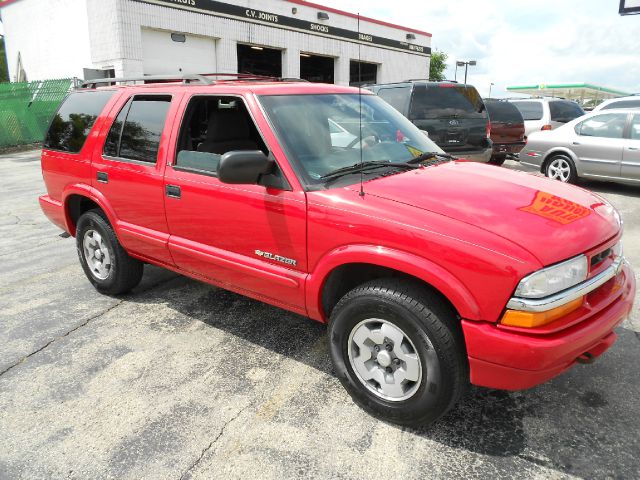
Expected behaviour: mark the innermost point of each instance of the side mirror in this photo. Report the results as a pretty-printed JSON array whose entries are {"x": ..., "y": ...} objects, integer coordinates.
[{"x": 244, "y": 166}]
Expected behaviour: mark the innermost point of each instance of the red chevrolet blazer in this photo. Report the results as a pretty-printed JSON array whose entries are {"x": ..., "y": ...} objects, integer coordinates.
[{"x": 431, "y": 272}]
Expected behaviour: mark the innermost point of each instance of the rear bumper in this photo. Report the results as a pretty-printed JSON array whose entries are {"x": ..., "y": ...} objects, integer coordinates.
[
  {"x": 54, "y": 211},
  {"x": 514, "y": 361},
  {"x": 505, "y": 148}
]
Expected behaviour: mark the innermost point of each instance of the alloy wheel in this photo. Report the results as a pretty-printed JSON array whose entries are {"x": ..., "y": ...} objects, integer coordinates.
[
  {"x": 559, "y": 169},
  {"x": 96, "y": 254},
  {"x": 384, "y": 359}
]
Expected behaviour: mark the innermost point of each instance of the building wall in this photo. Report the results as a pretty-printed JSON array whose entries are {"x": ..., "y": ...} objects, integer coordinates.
[
  {"x": 120, "y": 47},
  {"x": 106, "y": 34},
  {"x": 51, "y": 36}
]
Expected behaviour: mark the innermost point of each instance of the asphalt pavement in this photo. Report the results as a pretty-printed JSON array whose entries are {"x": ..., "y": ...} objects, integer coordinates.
[{"x": 180, "y": 380}]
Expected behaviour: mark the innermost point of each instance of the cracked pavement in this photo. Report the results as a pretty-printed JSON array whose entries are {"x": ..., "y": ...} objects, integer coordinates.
[{"x": 181, "y": 380}]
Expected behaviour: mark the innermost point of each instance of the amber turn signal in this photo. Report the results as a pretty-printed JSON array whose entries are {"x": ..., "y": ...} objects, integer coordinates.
[{"x": 517, "y": 318}]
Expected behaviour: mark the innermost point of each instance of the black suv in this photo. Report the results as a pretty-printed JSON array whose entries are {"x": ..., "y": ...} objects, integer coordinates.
[{"x": 453, "y": 114}]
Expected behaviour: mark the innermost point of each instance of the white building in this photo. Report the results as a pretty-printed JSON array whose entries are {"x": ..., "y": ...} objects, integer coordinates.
[{"x": 288, "y": 38}]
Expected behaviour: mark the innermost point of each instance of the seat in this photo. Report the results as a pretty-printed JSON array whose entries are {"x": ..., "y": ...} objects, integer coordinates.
[{"x": 228, "y": 130}]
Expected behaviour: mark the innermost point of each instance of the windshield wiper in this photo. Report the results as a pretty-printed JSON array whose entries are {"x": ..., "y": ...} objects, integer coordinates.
[
  {"x": 361, "y": 166},
  {"x": 427, "y": 155}
]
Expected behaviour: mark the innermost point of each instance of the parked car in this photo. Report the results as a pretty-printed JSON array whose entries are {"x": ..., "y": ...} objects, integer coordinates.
[
  {"x": 603, "y": 145},
  {"x": 429, "y": 273},
  {"x": 507, "y": 130},
  {"x": 622, "y": 102},
  {"x": 545, "y": 113},
  {"x": 453, "y": 115}
]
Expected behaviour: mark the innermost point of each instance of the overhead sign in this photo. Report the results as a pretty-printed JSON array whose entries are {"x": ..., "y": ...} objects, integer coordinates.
[
  {"x": 629, "y": 7},
  {"x": 280, "y": 21}
]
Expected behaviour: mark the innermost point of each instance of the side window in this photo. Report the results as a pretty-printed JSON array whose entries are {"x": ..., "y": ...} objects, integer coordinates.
[
  {"x": 635, "y": 128},
  {"x": 563, "y": 111},
  {"x": 623, "y": 104},
  {"x": 609, "y": 125},
  {"x": 397, "y": 97},
  {"x": 74, "y": 119},
  {"x": 211, "y": 127},
  {"x": 135, "y": 133}
]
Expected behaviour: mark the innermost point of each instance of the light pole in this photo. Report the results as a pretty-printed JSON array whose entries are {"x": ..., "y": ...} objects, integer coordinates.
[
  {"x": 490, "y": 85},
  {"x": 466, "y": 66}
]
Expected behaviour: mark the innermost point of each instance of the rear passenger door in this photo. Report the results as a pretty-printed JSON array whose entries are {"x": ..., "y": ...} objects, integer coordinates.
[
  {"x": 631, "y": 153},
  {"x": 128, "y": 171},
  {"x": 598, "y": 144}
]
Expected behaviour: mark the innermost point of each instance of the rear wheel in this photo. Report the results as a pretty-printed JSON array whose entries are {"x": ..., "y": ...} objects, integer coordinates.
[
  {"x": 398, "y": 350},
  {"x": 105, "y": 263},
  {"x": 497, "y": 159},
  {"x": 561, "y": 167}
]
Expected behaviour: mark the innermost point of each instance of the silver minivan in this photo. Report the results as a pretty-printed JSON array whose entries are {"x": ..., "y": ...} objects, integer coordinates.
[{"x": 546, "y": 113}]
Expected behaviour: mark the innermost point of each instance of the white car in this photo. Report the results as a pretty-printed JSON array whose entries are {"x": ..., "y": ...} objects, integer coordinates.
[
  {"x": 546, "y": 113},
  {"x": 621, "y": 102},
  {"x": 602, "y": 145}
]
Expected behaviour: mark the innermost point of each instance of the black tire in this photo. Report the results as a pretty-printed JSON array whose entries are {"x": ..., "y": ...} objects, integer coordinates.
[
  {"x": 124, "y": 272},
  {"x": 560, "y": 158},
  {"x": 430, "y": 325},
  {"x": 497, "y": 159}
]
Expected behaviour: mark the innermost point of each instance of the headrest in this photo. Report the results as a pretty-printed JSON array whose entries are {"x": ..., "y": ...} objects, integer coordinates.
[{"x": 227, "y": 125}]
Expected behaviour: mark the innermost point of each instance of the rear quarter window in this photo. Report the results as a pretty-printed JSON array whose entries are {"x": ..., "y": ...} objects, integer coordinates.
[
  {"x": 74, "y": 120},
  {"x": 562, "y": 111},
  {"x": 503, "y": 112},
  {"x": 530, "y": 110},
  {"x": 397, "y": 97}
]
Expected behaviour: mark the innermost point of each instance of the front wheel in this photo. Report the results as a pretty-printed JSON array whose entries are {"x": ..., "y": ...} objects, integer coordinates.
[
  {"x": 398, "y": 350},
  {"x": 562, "y": 168},
  {"x": 105, "y": 263}
]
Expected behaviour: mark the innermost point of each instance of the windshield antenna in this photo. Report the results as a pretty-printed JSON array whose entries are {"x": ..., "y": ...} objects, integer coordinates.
[{"x": 360, "y": 105}]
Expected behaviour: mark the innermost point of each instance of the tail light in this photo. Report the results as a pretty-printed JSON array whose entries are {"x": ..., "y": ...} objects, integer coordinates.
[
  {"x": 488, "y": 129},
  {"x": 546, "y": 127}
]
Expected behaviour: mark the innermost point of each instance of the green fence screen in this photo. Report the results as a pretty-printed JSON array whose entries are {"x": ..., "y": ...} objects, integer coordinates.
[{"x": 26, "y": 108}]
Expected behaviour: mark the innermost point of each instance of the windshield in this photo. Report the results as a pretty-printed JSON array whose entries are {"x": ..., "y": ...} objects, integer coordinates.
[
  {"x": 446, "y": 101},
  {"x": 321, "y": 133}
]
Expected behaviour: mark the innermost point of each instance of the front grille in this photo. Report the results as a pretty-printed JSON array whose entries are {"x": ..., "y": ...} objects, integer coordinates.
[{"x": 599, "y": 257}]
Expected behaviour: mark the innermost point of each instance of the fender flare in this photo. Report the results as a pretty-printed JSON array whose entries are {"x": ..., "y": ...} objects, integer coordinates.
[
  {"x": 436, "y": 276},
  {"x": 92, "y": 194}
]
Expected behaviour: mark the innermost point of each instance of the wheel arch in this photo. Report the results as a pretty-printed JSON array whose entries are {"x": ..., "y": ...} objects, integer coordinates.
[
  {"x": 350, "y": 266},
  {"x": 558, "y": 150},
  {"x": 77, "y": 199}
]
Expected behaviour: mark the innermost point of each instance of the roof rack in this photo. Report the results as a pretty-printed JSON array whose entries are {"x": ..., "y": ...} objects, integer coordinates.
[{"x": 185, "y": 79}]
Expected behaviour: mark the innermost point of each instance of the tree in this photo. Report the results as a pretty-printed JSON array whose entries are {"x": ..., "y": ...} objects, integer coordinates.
[
  {"x": 4, "y": 72},
  {"x": 437, "y": 66}
]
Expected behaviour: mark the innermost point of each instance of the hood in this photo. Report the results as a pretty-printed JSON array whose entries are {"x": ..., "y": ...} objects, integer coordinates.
[{"x": 552, "y": 220}]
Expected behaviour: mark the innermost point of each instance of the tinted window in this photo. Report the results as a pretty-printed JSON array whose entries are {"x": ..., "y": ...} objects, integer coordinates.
[
  {"x": 609, "y": 125},
  {"x": 74, "y": 119},
  {"x": 530, "y": 110},
  {"x": 446, "y": 101},
  {"x": 564, "y": 112},
  {"x": 623, "y": 104},
  {"x": 635, "y": 127},
  {"x": 111, "y": 145},
  {"x": 397, "y": 97},
  {"x": 139, "y": 137},
  {"x": 503, "y": 112}
]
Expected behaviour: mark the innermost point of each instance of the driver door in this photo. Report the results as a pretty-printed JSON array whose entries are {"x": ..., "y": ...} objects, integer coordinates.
[{"x": 246, "y": 238}]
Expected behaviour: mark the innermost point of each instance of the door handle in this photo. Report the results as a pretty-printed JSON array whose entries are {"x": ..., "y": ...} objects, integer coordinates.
[
  {"x": 173, "y": 191},
  {"x": 634, "y": 148},
  {"x": 576, "y": 143},
  {"x": 102, "y": 177}
]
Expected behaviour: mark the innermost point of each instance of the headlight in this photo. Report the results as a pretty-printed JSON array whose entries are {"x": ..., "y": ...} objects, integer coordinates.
[{"x": 553, "y": 279}]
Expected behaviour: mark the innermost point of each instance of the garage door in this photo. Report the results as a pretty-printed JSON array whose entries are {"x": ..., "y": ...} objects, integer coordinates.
[{"x": 167, "y": 53}]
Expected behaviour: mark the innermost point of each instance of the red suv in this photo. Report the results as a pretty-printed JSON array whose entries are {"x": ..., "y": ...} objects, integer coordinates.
[{"x": 326, "y": 201}]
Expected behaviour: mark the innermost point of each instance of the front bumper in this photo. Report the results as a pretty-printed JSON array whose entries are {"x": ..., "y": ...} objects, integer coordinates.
[{"x": 515, "y": 360}]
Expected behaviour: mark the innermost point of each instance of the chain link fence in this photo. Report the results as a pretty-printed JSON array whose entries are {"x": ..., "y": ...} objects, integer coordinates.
[{"x": 26, "y": 109}]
